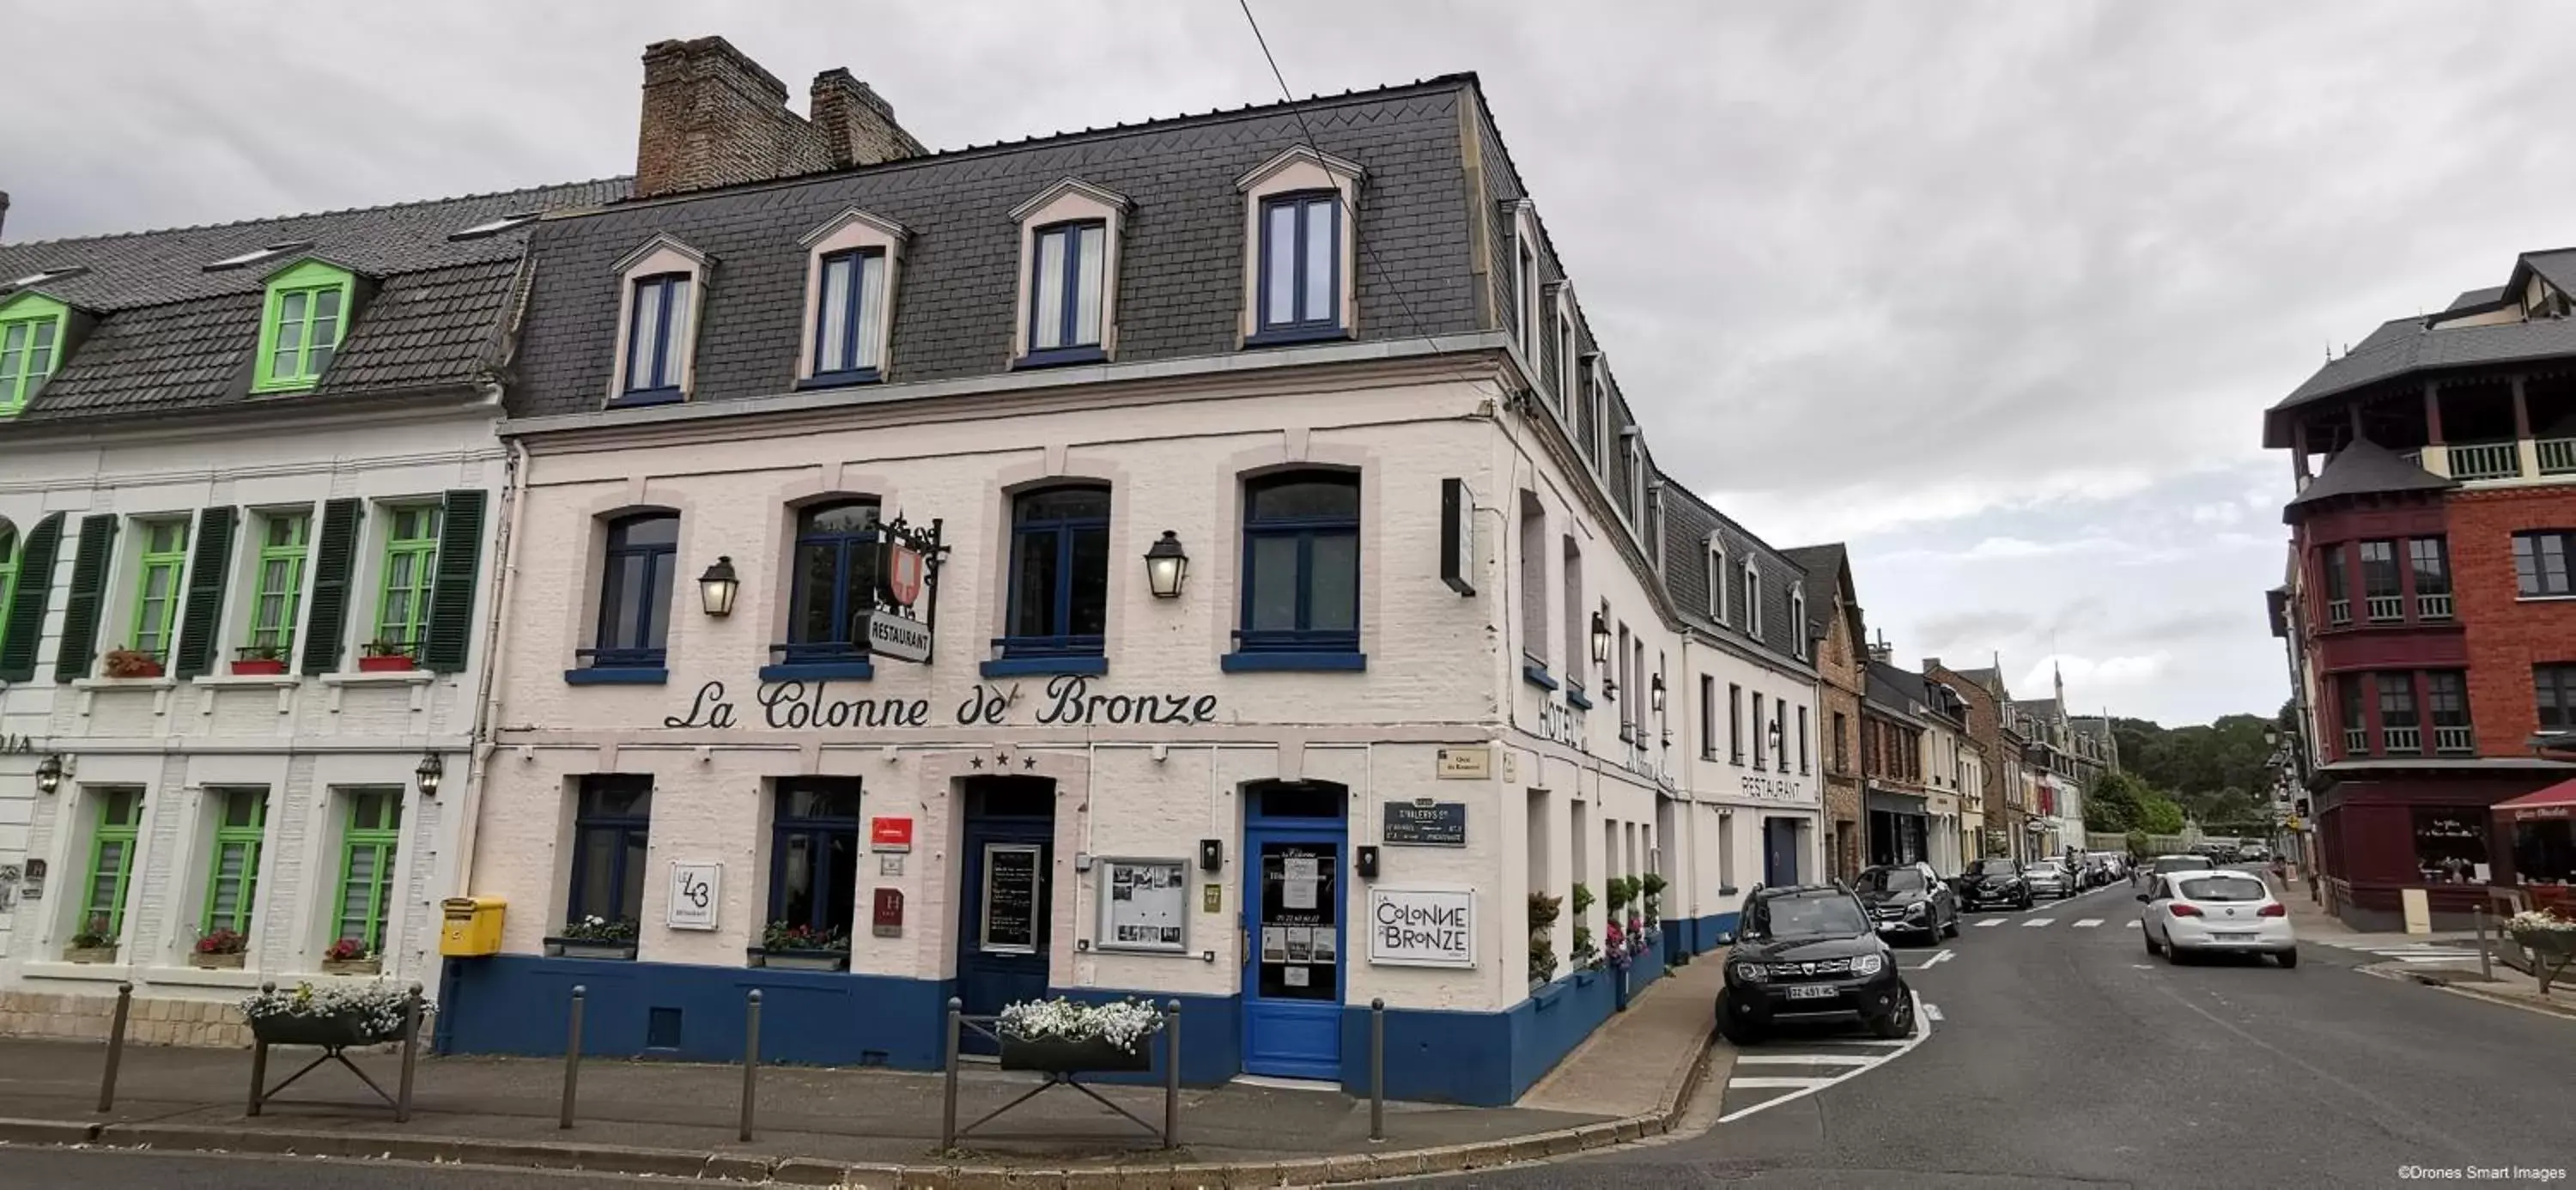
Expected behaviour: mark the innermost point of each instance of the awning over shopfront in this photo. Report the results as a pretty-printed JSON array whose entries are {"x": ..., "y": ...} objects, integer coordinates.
[{"x": 2555, "y": 802}]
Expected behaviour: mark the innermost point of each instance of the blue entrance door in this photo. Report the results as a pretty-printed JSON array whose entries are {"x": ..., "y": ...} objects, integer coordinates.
[
  {"x": 1779, "y": 851},
  {"x": 1004, "y": 908},
  {"x": 1293, "y": 843}
]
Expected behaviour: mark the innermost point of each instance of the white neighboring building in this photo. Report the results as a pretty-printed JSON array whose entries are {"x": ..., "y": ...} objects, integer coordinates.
[{"x": 249, "y": 453}]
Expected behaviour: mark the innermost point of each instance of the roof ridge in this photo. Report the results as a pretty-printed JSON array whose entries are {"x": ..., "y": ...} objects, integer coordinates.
[
  {"x": 971, "y": 149},
  {"x": 387, "y": 206}
]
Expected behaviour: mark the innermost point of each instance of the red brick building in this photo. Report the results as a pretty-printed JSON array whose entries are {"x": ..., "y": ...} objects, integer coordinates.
[
  {"x": 2431, "y": 603},
  {"x": 1842, "y": 680}
]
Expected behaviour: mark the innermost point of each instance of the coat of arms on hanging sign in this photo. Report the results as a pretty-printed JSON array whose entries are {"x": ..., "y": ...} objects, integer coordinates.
[{"x": 907, "y": 603}]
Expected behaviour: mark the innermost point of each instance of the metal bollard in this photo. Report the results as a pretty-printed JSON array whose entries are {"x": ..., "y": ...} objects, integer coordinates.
[
  {"x": 948, "y": 1112},
  {"x": 259, "y": 1062},
  {"x": 411, "y": 1052},
  {"x": 2486, "y": 964},
  {"x": 572, "y": 1058},
  {"x": 1377, "y": 1069},
  {"x": 115, "y": 1046},
  {"x": 750, "y": 1061},
  {"x": 1172, "y": 1075}
]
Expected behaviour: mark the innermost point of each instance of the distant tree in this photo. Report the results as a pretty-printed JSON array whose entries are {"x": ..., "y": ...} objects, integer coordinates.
[
  {"x": 2114, "y": 802},
  {"x": 2160, "y": 816}
]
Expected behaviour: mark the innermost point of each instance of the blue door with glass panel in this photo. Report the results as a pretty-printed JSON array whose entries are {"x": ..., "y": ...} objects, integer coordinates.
[
  {"x": 1779, "y": 851},
  {"x": 1004, "y": 910},
  {"x": 1294, "y": 838}
]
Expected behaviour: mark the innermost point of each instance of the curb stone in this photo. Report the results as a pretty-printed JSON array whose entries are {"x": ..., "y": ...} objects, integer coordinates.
[{"x": 2401, "y": 975}]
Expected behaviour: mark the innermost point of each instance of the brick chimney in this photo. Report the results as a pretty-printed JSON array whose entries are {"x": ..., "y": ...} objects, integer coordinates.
[
  {"x": 714, "y": 117},
  {"x": 4, "y": 210}
]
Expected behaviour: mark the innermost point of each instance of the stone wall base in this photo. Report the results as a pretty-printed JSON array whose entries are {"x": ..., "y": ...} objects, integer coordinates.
[{"x": 153, "y": 1021}]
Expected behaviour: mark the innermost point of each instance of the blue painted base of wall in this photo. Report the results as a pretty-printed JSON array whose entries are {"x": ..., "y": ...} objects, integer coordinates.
[
  {"x": 1211, "y": 1036},
  {"x": 1715, "y": 931},
  {"x": 1645, "y": 969},
  {"x": 517, "y": 1004}
]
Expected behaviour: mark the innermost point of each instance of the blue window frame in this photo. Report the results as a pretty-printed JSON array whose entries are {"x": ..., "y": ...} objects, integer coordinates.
[
  {"x": 612, "y": 822},
  {"x": 838, "y": 554},
  {"x": 657, "y": 319},
  {"x": 1068, "y": 264},
  {"x": 814, "y": 853},
  {"x": 1301, "y": 267},
  {"x": 635, "y": 592},
  {"x": 850, "y": 310},
  {"x": 1059, "y": 573},
  {"x": 1301, "y": 564}
]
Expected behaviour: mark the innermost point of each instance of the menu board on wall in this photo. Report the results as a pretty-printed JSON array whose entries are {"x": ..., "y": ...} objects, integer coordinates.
[
  {"x": 1010, "y": 898},
  {"x": 1144, "y": 905}
]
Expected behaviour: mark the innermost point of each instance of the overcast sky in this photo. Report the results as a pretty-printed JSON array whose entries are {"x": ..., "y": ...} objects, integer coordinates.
[{"x": 1995, "y": 293}]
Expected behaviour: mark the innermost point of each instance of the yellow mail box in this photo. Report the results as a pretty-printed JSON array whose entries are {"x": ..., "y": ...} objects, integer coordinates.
[{"x": 473, "y": 927}]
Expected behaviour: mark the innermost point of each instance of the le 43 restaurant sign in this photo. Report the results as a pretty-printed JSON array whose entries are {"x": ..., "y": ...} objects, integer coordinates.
[{"x": 891, "y": 629}]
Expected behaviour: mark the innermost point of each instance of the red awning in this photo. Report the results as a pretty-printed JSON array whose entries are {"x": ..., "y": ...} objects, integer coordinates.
[{"x": 2556, "y": 801}]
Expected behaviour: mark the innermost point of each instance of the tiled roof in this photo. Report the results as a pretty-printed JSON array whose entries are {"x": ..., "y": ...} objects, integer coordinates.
[
  {"x": 2404, "y": 345},
  {"x": 2557, "y": 266},
  {"x": 1181, "y": 256},
  {"x": 2476, "y": 297},
  {"x": 2043, "y": 709},
  {"x": 2365, "y": 468},
  {"x": 175, "y": 338},
  {"x": 1688, "y": 523},
  {"x": 1896, "y": 691}
]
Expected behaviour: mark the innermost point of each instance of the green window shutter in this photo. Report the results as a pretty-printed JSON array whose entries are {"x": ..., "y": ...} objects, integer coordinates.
[
  {"x": 80, "y": 612},
  {"x": 21, "y": 631},
  {"x": 200, "y": 622},
  {"x": 334, "y": 555},
  {"x": 451, "y": 601}
]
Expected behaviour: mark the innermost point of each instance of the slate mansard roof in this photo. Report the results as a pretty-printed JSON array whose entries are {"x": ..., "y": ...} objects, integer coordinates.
[
  {"x": 1180, "y": 273},
  {"x": 1689, "y": 522},
  {"x": 171, "y": 336}
]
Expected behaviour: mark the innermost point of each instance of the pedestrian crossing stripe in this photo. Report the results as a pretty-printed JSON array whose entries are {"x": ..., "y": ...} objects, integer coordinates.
[
  {"x": 1808, "y": 1059},
  {"x": 2036, "y": 922},
  {"x": 2088, "y": 923},
  {"x": 1757, "y": 1082},
  {"x": 2133, "y": 924},
  {"x": 1990, "y": 923}
]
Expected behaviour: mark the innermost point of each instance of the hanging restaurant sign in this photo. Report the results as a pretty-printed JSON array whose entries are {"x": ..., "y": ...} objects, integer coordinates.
[{"x": 911, "y": 570}]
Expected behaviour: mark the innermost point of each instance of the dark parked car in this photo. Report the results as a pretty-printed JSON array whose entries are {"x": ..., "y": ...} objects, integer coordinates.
[
  {"x": 1805, "y": 952},
  {"x": 1908, "y": 899},
  {"x": 1993, "y": 882}
]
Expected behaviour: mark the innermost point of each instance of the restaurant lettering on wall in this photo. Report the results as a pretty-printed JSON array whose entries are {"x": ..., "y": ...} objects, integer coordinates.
[{"x": 1069, "y": 701}]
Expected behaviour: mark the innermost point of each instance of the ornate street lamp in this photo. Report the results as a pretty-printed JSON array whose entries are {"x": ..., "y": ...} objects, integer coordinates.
[
  {"x": 1655, "y": 694},
  {"x": 432, "y": 770},
  {"x": 1600, "y": 640},
  {"x": 1167, "y": 566},
  {"x": 49, "y": 773},
  {"x": 718, "y": 586}
]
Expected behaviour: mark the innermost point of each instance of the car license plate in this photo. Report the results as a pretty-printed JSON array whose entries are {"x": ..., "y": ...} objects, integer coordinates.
[
  {"x": 1891, "y": 924},
  {"x": 1811, "y": 993},
  {"x": 2232, "y": 936}
]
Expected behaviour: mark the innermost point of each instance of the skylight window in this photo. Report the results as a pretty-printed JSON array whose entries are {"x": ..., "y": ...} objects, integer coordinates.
[
  {"x": 254, "y": 257},
  {"x": 496, "y": 226},
  {"x": 41, "y": 276}
]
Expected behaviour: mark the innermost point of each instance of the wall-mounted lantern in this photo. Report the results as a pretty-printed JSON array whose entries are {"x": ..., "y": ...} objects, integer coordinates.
[
  {"x": 49, "y": 773},
  {"x": 1655, "y": 694},
  {"x": 1600, "y": 640},
  {"x": 718, "y": 586},
  {"x": 1167, "y": 565},
  {"x": 432, "y": 770}
]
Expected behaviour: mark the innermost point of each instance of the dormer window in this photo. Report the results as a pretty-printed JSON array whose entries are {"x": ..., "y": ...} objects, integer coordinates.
[
  {"x": 1525, "y": 280},
  {"x": 1717, "y": 579},
  {"x": 849, "y": 299},
  {"x": 1752, "y": 599},
  {"x": 1069, "y": 238},
  {"x": 663, "y": 287},
  {"x": 1566, "y": 358},
  {"x": 1300, "y": 261},
  {"x": 1798, "y": 623},
  {"x": 300, "y": 326},
  {"x": 31, "y": 336}
]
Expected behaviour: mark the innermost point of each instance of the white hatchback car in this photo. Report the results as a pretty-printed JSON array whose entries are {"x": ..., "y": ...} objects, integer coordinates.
[{"x": 2214, "y": 911}]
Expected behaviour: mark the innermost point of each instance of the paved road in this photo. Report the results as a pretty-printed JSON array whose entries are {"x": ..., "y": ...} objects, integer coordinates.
[
  {"x": 2066, "y": 1056},
  {"x": 79, "y": 1169}
]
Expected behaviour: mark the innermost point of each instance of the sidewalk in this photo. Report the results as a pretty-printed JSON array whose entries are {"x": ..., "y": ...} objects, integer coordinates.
[{"x": 872, "y": 1128}]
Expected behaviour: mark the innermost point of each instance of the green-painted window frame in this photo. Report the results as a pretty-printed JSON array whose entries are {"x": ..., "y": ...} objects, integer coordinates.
[
  {"x": 411, "y": 563},
  {"x": 277, "y": 585},
  {"x": 120, "y": 823},
  {"x": 241, "y": 824},
  {"x": 31, "y": 347},
  {"x": 301, "y": 324},
  {"x": 13, "y": 545},
  {"x": 165, "y": 558},
  {"x": 375, "y": 828}
]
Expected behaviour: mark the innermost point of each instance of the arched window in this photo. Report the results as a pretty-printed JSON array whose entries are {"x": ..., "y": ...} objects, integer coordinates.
[
  {"x": 1059, "y": 573},
  {"x": 838, "y": 550},
  {"x": 635, "y": 591},
  {"x": 1301, "y": 563}
]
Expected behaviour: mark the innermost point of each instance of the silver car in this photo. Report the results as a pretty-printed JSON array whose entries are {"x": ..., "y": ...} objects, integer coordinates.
[{"x": 2046, "y": 879}]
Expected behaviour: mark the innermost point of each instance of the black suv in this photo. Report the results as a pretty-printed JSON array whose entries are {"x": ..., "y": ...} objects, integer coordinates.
[
  {"x": 1809, "y": 951},
  {"x": 1909, "y": 899},
  {"x": 1993, "y": 882}
]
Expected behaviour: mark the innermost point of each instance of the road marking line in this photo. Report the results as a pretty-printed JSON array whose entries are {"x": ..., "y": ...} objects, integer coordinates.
[
  {"x": 1932, "y": 1012},
  {"x": 2036, "y": 922},
  {"x": 1937, "y": 959},
  {"x": 1804, "y": 1084},
  {"x": 1922, "y": 1033},
  {"x": 2088, "y": 923},
  {"x": 2133, "y": 923},
  {"x": 1870, "y": 1041},
  {"x": 1990, "y": 923},
  {"x": 1808, "y": 1059}
]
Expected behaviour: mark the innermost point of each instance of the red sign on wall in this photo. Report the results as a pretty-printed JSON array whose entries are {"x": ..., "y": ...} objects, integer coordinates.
[
  {"x": 890, "y": 834},
  {"x": 888, "y": 919}
]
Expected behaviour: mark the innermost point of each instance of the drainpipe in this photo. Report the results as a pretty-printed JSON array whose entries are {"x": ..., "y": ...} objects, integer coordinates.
[{"x": 496, "y": 630}]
